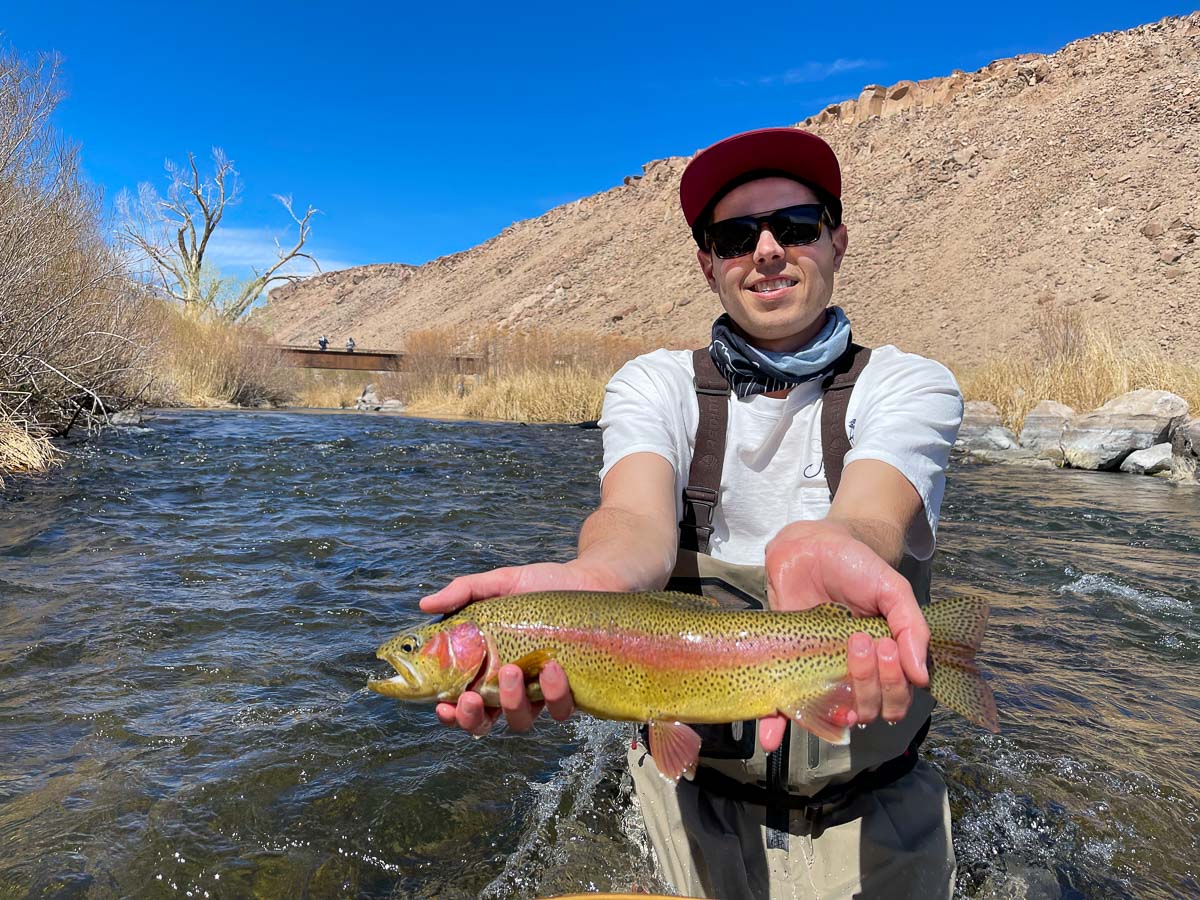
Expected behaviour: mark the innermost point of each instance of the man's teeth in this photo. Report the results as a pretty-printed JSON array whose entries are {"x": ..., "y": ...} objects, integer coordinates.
[{"x": 773, "y": 285}]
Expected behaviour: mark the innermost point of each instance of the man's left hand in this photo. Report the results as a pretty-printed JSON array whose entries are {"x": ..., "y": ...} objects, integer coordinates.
[{"x": 815, "y": 562}]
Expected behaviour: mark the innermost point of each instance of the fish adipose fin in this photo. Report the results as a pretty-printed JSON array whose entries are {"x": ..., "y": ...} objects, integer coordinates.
[
  {"x": 675, "y": 748},
  {"x": 955, "y": 632},
  {"x": 827, "y": 715}
]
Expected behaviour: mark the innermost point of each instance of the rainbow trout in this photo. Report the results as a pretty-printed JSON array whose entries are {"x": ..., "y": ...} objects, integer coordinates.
[{"x": 669, "y": 659}]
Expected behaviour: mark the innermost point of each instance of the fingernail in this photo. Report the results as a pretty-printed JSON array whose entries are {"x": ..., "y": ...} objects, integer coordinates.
[{"x": 860, "y": 645}]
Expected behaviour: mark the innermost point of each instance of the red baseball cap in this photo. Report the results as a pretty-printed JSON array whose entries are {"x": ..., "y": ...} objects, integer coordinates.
[{"x": 771, "y": 151}]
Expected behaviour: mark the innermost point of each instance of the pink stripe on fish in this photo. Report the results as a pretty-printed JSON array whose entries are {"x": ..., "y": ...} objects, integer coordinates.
[{"x": 669, "y": 652}]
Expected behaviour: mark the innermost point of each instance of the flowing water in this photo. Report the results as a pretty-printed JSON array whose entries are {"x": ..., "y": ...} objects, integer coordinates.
[{"x": 188, "y": 615}]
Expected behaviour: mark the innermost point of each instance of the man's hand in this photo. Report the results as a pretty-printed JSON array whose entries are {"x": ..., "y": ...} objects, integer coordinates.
[
  {"x": 469, "y": 713},
  {"x": 809, "y": 563}
]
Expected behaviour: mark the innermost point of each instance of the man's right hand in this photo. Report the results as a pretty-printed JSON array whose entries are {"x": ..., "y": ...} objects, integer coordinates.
[
  {"x": 627, "y": 544},
  {"x": 470, "y": 713}
]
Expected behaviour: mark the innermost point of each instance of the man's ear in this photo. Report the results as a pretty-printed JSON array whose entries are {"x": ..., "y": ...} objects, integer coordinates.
[
  {"x": 706, "y": 266},
  {"x": 840, "y": 238}
]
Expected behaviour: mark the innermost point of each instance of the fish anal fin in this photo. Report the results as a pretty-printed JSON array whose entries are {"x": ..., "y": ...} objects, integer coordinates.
[
  {"x": 675, "y": 748},
  {"x": 826, "y": 714}
]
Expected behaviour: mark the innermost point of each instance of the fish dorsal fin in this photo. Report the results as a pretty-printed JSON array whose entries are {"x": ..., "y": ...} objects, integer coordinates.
[
  {"x": 675, "y": 748},
  {"x": 687, "y": 601},
  {"x": 825, "y": 713}
]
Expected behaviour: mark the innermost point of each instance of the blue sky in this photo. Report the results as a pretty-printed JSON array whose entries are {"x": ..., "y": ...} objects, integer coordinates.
[{"x": 423, "y": 129}]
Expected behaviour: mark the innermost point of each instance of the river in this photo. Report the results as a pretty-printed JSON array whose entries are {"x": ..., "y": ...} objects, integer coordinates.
[{"x": 188, "y": 617}]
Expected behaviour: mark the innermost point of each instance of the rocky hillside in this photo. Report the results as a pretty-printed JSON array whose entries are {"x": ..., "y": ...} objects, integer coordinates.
[{"x": 972, "y": 200}]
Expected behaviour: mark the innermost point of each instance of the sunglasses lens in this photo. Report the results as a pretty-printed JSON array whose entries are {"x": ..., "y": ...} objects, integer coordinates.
[
  {"x": 733, "y": 237},
  {"x": 792, "y": 227},
  {"x": 797, "y": 225}
]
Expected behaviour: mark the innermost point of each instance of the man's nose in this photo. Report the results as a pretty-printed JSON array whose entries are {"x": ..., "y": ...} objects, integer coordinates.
[{"x": 767, "y": 248}]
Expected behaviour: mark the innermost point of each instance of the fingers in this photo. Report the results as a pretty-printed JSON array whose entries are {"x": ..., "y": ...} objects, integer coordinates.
[
  {"x": 897, "y": 696},
  {"x": 864, "y": 678},
  {"x": 878, "y": 679},
  {"x": 469, "y": 588},
  {"x": 469, "y": 714},
  {"x": 473, "y": 716},
  {"x": 518, "y": 711},
  {"x": 557, "y": 692},
  {"x": 771, "y": 731}
]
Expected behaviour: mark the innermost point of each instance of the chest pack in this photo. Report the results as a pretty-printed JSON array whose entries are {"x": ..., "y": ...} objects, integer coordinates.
[{"x": 806, "y": 771}]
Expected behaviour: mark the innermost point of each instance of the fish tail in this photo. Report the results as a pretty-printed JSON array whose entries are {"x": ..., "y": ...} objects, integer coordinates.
[{"x": 956, "y": 630}]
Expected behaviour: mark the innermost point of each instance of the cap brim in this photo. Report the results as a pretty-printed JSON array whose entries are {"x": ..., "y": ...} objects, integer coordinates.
[{"x": 787, "y": 150}]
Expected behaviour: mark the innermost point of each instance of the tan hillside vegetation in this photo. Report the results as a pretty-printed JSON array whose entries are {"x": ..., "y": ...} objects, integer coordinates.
[{"x": 1065, "y": 181}]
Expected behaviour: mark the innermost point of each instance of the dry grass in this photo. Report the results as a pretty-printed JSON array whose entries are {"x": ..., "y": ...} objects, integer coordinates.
[
  {"x": 526, "y": 376},
  {"x": 327, "y": 388},
  {"x": 202, "y": 360},
  {"x": 1078, "y": 363},
  {"x": 22, "y": 453}
]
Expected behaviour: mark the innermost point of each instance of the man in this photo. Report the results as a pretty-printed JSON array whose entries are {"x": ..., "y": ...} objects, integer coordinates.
[{"x": 792, "y": 392}]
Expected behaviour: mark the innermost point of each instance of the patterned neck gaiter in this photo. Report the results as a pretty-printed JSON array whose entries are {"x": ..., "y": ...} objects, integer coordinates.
[{"x": 750, "y": 370}]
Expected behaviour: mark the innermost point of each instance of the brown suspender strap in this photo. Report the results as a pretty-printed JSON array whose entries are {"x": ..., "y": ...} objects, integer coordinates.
[
  {"x": 837, "y": 387},
  {"x": 708, "y": 457}
]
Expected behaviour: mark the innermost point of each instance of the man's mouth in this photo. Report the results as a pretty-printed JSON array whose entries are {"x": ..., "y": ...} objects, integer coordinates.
[{"x": 772, "y": 284}]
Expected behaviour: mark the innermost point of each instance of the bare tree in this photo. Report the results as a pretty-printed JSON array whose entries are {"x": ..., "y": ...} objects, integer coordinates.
[
  {"x": 71, "y": 321},
  {"x": 173, "y": 234}
]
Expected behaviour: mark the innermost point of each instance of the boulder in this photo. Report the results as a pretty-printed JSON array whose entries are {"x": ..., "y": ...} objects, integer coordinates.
[
  {"x": 369, "y": 399},
  {"x": 1043, "y": 428},
  {"x": 1185, "y": 449},
  {"x": 392, "y": 405},
  {"x": 126, "y": 418},
  {"x": 982, "y": 429},
  {"x": 1150, "y": 461},
  {"x": 1102, "y": 438}
]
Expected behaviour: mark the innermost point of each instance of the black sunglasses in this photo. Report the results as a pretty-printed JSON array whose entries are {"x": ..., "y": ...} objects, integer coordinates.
[{"x": 792, "y": 226}]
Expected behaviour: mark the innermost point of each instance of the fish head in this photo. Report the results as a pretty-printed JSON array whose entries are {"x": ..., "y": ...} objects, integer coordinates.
[{"x": 436, "y": 662}]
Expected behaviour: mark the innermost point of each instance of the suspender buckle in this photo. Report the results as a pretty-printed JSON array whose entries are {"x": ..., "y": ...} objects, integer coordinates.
[{"x": 698, "y": 501}]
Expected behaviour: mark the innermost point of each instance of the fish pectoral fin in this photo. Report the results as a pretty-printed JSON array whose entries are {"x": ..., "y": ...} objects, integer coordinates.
[
  {"x": 675, "y": 748},
  {"x": 532, "y": 663},
  {"x": 826, "y": 714}
]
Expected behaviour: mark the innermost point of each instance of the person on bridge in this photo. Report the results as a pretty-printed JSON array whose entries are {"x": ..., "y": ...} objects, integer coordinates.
[
  {"x": 323, "y": 343},
  {"x": 350, "y": 345},
  {"x": 785, "y": 460}
]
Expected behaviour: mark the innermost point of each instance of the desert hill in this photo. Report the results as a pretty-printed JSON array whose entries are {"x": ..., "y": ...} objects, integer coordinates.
[{"x": 1071, "y": 179}]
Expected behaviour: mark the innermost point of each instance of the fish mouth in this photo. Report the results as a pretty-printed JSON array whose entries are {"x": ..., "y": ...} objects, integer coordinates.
[{"x": 404, "y": 685}]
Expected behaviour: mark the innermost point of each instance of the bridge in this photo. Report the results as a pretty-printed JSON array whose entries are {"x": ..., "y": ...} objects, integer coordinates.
[{"x": 361, "y": 360}]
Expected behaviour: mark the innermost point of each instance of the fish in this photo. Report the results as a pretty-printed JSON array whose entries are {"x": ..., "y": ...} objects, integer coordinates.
[{"x": 672, "y": 660}]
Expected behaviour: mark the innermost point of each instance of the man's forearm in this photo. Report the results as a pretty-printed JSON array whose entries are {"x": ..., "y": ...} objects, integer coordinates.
[
  {"x": 633, "y": 552},
  {"x": 883, "y": 537}
]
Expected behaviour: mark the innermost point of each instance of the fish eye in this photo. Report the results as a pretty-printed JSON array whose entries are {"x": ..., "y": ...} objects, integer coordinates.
[{"x": 409, "y": 644}]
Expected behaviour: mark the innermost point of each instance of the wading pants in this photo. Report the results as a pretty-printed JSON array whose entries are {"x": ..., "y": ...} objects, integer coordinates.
[{"x": 892, "y": 842}]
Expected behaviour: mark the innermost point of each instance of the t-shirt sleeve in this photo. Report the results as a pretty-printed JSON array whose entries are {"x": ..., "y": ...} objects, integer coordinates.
[
  {"x": 641, "y": 412},
  {"x": 908, "y": 417}
]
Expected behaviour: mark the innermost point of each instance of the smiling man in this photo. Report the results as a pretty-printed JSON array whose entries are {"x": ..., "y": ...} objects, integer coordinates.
[{"x": 782, "y": 464}]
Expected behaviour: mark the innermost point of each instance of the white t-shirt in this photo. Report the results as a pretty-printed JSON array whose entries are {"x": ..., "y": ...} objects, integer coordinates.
[{"x": 904, "y": 410}]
